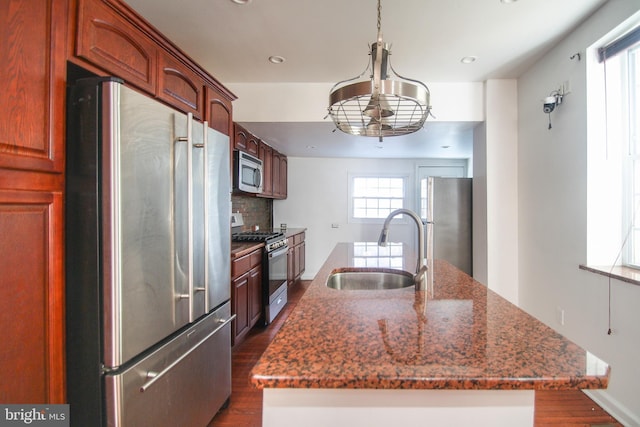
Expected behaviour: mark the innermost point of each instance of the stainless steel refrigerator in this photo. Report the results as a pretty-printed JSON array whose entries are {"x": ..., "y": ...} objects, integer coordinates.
[
  {"x": 449, "y": 221},
  {"x": 148, "y": 210}
]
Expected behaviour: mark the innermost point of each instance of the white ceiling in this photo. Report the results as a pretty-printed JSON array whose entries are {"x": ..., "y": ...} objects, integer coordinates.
[{"x": 327, "y": 41}]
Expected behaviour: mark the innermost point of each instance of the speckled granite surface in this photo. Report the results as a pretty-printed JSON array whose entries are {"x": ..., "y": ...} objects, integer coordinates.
[
  {"x": 239, "y": 249},
  {"x": 464, "y": 337}
]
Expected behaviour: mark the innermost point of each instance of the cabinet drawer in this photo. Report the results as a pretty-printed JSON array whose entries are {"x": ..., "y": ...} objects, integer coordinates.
[
  {"x": 298, "y": 238},
  {"x": 256, "y": 258},
  {"x": 241, "y": 265}
]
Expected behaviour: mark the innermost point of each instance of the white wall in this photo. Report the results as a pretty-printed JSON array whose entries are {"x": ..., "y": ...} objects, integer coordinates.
[
  {"x": 552, "y": 222},
  {"x": 501, "y": 164},
  {"x": 307, "y": 102},
  {"x": 318, "y": 198}
]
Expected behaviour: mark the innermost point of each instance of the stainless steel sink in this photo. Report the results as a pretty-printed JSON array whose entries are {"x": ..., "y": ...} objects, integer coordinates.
[{"x": 367, "y": 279}]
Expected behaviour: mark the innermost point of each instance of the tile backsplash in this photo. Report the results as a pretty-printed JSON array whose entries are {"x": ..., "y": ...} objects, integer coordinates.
[{"x": 254, "y": 210}]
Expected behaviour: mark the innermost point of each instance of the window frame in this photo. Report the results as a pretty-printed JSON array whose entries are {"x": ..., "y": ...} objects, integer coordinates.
[
  {"x": 353, "y": 175},
  {"x": 626, "y": 103}
]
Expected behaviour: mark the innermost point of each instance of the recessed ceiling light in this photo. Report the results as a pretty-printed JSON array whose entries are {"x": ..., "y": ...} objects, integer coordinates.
[
  {"x": 508, "y": 1},
  {"x": 241, "y": 1},
  {"x": 468, "y": 59},
  {"x": 275, "y": 59}
]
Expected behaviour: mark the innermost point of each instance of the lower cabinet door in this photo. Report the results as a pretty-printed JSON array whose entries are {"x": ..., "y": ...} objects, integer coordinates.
[
  {"x": 31, "y": 297},
  {"x": 240, "y": 299}
]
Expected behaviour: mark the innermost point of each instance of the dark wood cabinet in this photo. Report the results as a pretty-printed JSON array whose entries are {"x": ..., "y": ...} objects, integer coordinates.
[
  {"x": 246, "y": 293},
  {"x": 32, "y": 83},
  {"x": 32, "y": 79},
  {"x": 217, "y": 111},
  {"x": 279, "y": 175},
  {"x": 295, "y": 257},
  {"x": 245, "y": 140},
  {"x": 282, "y": 184},
  {"x": 265, "y": 153},
  {"x": 179, "y": 86},
  {"x": 255, "y": 295},
  {"x": 109, "y": 41}
]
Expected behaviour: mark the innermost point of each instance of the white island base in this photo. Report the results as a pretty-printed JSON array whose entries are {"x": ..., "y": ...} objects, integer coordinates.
[{"x": 295, "y": 407}]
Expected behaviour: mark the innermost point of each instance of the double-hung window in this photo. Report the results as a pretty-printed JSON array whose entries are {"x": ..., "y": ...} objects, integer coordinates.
[
  {"x": 621, "y": 66},
  {"x": 375, "y": 197}
]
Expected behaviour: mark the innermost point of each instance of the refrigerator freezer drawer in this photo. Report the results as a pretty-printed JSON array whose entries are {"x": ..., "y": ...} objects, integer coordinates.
[{"x": 183, "y": 383}]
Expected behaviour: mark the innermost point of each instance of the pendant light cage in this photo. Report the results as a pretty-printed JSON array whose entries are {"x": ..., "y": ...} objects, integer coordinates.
[{"x": 386, "y": 105}]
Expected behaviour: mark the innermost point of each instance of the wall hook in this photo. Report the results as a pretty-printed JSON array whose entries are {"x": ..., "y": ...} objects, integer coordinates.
[{"x": 576, "y": 55}]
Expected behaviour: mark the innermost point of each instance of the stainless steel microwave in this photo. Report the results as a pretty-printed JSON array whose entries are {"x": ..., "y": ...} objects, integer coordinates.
[{"x": 247, "y": 173}]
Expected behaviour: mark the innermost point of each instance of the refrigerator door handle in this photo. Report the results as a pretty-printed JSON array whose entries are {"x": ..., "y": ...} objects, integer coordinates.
[
  {"x": 205, "y": 144},
  {"x": 188, "y": 139},
  {"x": 155, "y": 376},
  {"x": 190, "y": 190}
]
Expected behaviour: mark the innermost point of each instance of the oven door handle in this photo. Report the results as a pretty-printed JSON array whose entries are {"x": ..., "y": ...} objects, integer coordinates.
[{"x": 280, "y": 251}]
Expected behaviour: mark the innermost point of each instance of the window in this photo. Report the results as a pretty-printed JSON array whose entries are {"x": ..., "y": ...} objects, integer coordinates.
[
  {"x": 620, "y": 61},
  {"x": 375, "y": 197}
]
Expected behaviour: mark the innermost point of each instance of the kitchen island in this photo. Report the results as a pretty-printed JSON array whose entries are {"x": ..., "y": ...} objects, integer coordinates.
[{"x": 457, "y": 355}]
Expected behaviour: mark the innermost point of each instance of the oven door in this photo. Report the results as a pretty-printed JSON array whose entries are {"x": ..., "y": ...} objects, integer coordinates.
[{"x": 275, "y": 288}]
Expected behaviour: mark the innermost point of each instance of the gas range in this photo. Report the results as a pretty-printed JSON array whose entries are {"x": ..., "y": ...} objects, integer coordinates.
[
  {"x": 274, "y": 265},
  {"x": 272, "y": 239}
]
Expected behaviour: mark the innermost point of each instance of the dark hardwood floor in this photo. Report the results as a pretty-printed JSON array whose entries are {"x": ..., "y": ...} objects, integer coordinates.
[{"x": 552, "y": 408}]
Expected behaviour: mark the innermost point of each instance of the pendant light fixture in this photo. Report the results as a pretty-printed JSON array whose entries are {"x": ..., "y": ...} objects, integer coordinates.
[{"x": 386, "y": 105}]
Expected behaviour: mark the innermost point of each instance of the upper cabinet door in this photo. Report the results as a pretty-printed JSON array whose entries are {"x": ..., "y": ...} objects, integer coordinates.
[
  {"x": 108, "y": 40},
  {"x": 218, "y": 111},
  {"x": 32, "y": 82},
  {"x": 180, "y": 86}
]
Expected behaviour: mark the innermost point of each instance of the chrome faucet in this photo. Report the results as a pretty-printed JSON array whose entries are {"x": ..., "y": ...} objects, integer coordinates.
[{"x": 420, "y": 278}]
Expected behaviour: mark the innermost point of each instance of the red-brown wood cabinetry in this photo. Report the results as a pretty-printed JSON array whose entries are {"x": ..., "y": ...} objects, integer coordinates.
[
  {"x": 279, "y": 175},
  {"x": 32, "y": 83},
  {"x": 295, "y": 257},
  {"x": 218, "y": 111},
  {"x": 107, "y": 40},
  {"x": 245, "y": 140},
  {"x": 179, "y": 86},
  {"x": 265, "y": 153},
  {"x": 246, "y": 293},
  {"x": 111, "y": 39}
]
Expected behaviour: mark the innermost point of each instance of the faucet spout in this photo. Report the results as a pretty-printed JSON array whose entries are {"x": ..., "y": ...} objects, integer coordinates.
[{"x": 420, "y": 277}]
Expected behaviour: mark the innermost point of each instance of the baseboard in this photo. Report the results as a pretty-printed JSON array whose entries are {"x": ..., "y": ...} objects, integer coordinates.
[{"x": 613, "y": 407}]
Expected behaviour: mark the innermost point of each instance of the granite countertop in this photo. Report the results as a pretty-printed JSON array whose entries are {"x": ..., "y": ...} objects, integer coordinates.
[
  {"x": 291, "y": 231},
  {"x": 239, "y": 249},
  {"x": 465, "y": 337}
]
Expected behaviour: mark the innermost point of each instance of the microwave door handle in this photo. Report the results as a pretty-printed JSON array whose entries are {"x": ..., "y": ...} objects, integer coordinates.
[{"x": 257, "y": 177}]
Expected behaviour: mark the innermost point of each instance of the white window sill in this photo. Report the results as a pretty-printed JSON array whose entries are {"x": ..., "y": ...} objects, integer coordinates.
[{"x": 625, "y": 274}]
